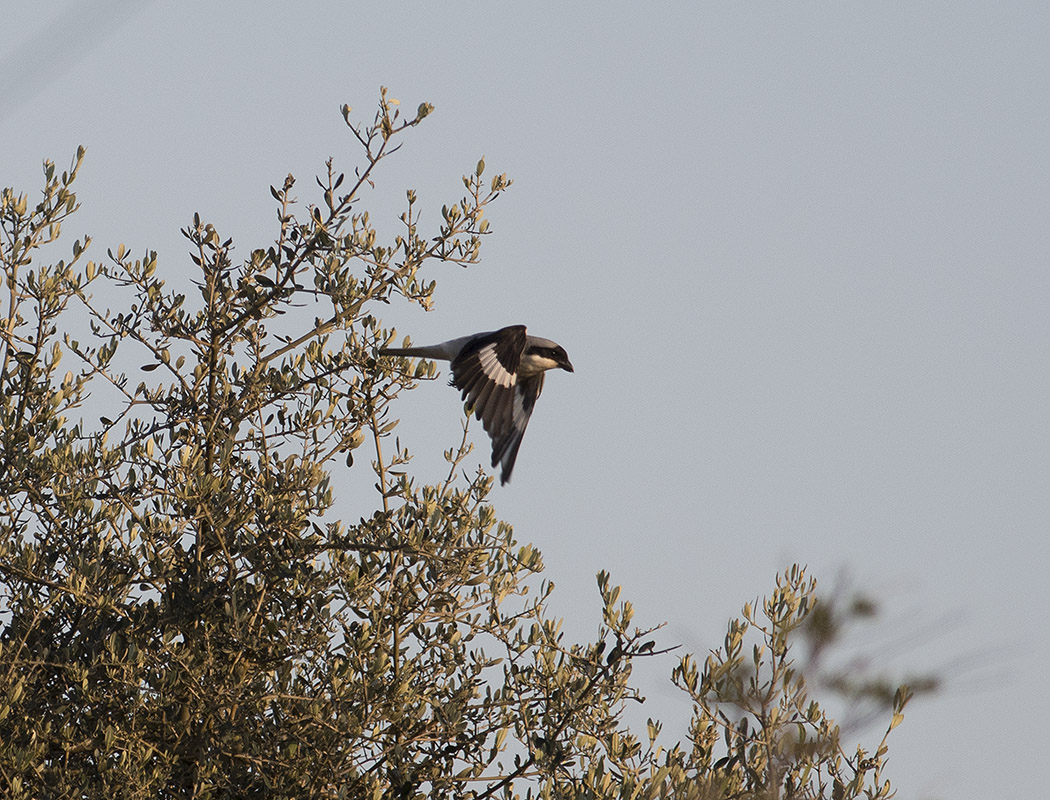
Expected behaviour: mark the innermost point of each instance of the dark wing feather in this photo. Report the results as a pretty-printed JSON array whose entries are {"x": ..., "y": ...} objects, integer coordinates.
[
  {"x": 505, "y": 447},
  {"x": 506, "y": 345}
]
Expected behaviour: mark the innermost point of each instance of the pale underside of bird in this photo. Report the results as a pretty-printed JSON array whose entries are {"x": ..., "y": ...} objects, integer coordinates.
[{"x": 500, "y": 374}]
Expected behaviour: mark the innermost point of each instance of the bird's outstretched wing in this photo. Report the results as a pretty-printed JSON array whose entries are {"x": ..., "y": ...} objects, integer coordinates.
[
  {"x": 505, "y": 447},
  {"x": 486, "y": 372}
]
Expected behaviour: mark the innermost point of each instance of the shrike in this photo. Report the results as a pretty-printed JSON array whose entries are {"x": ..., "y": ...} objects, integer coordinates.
[{"x": 500, "y": 374}]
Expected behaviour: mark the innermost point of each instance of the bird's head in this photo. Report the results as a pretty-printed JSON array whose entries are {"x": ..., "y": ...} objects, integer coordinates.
[
  {"x": 543, "y": 354},
  {"x": 561, "y": 358}
]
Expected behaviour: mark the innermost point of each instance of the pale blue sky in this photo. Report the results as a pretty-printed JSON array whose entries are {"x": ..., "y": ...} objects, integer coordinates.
[{"x": 797, "y": 252}]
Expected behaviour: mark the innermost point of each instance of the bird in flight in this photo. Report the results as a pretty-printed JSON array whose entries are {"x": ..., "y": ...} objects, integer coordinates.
[{"x": 500, "y": 374}]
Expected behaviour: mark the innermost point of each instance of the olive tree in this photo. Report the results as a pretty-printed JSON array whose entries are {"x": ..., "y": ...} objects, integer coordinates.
[{"x": 183, "y": 615}]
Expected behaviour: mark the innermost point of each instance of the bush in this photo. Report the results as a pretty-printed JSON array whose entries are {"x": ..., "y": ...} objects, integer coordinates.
[{"x": 181, "y": 614}]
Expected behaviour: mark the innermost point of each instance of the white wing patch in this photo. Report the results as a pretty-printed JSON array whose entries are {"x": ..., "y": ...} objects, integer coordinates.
[{"x": 494, "y": 370}]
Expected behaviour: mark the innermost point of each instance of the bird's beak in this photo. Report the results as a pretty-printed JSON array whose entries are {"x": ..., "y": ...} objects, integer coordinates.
[{"x": 565, "y": 365}]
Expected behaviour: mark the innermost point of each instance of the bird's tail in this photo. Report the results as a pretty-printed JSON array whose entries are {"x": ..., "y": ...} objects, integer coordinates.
[{"x": 424, "y": 351}]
